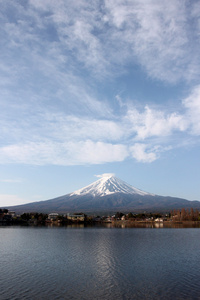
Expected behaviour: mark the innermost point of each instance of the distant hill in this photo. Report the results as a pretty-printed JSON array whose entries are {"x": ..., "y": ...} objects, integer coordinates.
[{"x": 108, "y": 194}]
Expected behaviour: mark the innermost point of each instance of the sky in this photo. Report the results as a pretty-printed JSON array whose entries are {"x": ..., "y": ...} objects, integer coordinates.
[{"x": 89, "y": 87}]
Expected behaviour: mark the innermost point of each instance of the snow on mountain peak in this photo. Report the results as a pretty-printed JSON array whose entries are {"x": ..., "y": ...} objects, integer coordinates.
[{"x": 106, "y": 185}]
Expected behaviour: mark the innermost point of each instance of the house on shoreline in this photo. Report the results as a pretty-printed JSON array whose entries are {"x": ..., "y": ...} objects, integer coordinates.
[{"x": 76, "y": 217}]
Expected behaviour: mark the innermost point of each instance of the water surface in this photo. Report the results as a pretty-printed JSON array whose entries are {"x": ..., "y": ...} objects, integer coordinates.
[{"x": 97, "y": 263}]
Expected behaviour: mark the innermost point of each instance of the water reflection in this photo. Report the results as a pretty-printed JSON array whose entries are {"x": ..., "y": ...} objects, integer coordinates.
[
  {"x": 100, "y": 262},
  {"x": 125, "y": 224},
  {"x": 120, "y": 224},
  {"x": 151, "y": 225}
]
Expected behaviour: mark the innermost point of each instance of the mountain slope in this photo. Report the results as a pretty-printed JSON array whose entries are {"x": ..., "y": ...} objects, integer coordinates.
[
  {"x": 105, "y": 195},
  {"x": 108, "y": 185}
]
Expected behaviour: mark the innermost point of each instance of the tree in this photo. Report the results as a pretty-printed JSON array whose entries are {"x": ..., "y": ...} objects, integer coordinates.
[
  {"x": 118, "y": 215},
  {"x": 130, "y": 216},
  {"x": 26, "y": 216},
  {"x": 192, "y": 214},
  {"x": 183, "y": 214},
  {"x": 196, "y": 215}
]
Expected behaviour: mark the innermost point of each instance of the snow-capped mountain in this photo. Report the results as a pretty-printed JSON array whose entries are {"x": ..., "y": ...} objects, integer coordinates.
[
  {"x": 108, "y": 185},
  {"x": 108, "y": 194}
]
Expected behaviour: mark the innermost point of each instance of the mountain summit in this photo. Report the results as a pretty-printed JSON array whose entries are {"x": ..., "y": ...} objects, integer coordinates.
[
  {"x": 108, "y": 185},
  {"x": 108, "y": 194}
]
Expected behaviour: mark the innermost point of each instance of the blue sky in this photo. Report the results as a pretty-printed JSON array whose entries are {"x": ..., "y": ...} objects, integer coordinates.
[{"x": 94, "y": 87}]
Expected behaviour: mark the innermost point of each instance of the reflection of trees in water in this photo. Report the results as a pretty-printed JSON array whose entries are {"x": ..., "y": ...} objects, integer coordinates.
[{"x": 166, "y": 224}]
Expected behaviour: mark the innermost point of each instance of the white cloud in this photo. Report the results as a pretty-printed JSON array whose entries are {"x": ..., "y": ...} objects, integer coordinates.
[
  {"x": 96, "y": 153},
  {"x": 55, "y": 57},
  {"x": 158, "y": 33},
  {"x": 119, "y": 100},
  {"x": 152, "y": 122},
  {"x": 58, "y": 153},
  {"x": 192, "y": 104},
  {"x": 142, "y": 154},
  {"x": 55, "y": 138},
  {"x": 105, "y": 175},
  {"x": 103, "y": 37}
]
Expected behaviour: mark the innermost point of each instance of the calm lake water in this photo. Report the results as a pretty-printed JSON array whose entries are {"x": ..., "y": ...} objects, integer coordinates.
[{"x": 99, "y": 263}]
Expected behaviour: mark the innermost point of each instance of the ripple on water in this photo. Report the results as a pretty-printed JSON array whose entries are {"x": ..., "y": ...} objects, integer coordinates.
[{"x": 96, "y": 263}]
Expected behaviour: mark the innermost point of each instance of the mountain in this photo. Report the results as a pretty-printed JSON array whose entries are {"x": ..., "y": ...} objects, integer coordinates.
[
  {"x": 108, "y": 194},
  {"x": 108, "y": 185}
]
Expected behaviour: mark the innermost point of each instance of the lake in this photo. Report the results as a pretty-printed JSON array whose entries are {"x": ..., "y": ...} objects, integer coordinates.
[{"x": 99, "y": 263}]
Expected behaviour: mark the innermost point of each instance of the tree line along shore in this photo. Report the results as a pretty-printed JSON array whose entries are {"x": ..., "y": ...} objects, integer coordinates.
[{"x": 34, "y": 218}]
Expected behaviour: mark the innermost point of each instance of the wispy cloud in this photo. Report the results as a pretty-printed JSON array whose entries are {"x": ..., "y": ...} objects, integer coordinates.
[
  {"x": 69, "y": 140},
  {"x": 61, "y": 153},
  {"x": 192, "y": 104},
  {"x": 58, "y": 57},
  {"x": 103, "y": 37}
]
